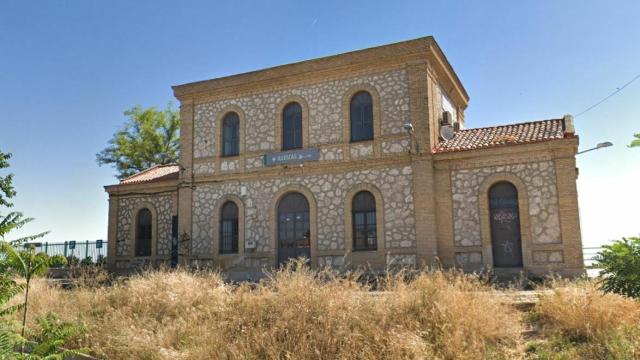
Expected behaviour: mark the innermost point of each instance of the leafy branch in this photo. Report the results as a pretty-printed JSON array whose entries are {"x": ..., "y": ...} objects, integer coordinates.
[{"x": 149, "y": 137}]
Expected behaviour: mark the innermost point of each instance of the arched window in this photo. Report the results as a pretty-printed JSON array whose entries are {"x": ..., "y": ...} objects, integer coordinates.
[
  {"x": 363, "y": 209},
  {"x": 292, "y": 126},
  {"x": 229, "y": 228},
  {"x": 361, "y": 112},
  {"x": 231, "y": 134},
  {"x": 143, "y": 233}
]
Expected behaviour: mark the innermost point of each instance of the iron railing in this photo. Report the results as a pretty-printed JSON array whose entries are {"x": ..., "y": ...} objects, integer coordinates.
[
  {"x": 79, "y": 249},
  {"x": 589, "y": 254},
  {"x": 94, "y": 249}
]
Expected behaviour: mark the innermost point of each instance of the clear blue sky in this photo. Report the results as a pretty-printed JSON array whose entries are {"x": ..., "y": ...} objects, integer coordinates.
[{"x": 68, "y": 69}]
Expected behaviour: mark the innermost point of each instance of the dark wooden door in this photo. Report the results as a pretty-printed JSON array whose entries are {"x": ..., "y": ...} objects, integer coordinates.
[
  {"x": 174, "y": 241},
  {"x": 505, "y": 225},
  {"x": 294, "y": 236}
]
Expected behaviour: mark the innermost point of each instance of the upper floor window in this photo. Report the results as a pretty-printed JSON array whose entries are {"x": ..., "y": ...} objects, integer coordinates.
[
  {"x": 292, "y": 126},
  {"x": 143, "y": 233},
  {"x": 229, "y": 228},
  {"x": 361, "y": 116},
  {"x": 363, "y": 208},
  {"x": 231, "y": 134}
]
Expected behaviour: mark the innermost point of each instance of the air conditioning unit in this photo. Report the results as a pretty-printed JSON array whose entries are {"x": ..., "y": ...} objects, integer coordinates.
[{"x": 447, "y": 118}]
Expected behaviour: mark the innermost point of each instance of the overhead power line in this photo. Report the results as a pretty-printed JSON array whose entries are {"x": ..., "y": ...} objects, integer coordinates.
[{"x": 610, "y": 95}]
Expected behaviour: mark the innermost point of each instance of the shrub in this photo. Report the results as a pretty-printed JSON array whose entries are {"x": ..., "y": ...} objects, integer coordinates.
[
  {"x": 51, "y": 338},
  {"x": 620, "y": 267},
  {"x": 101, "y": 260},
  {"x": 73, "y": 260},
  {"x": 57, "y": 261},
  {"x": 89, "y": 277},
  {"x": 40, "y": 257},
  {"x": 88, "y": 261},
  {"x": 48, "y": 341}
]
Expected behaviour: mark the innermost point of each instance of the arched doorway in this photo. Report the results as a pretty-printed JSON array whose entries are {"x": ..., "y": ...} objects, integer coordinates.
[
  {"x": 506, "y": 242},
  {"x": 294, "y": 235}
]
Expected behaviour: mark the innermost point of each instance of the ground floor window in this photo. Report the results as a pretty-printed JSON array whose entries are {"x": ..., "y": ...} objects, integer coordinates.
[
  {"x": 363, "y": 210},
  {"x": 143, "y": 233},
  {"x": 229, "y": 228}
]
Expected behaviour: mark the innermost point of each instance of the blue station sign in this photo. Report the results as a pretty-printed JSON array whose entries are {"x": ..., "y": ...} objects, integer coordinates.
[{"x": 289, "y": 157}]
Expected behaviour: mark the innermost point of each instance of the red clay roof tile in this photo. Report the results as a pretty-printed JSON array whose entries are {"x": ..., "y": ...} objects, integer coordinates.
[
  {"x": 155, "y": 173},
  {"x": 512, "y": 134}
]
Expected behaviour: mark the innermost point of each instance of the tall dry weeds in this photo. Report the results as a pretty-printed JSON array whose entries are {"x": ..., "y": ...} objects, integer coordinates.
[
  {"x": 293, "y": 314},
  {"x": 585, "y": 323}
]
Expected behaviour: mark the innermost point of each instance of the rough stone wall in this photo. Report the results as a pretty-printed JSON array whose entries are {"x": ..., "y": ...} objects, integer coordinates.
[
  {"x": 325, "y": 112},
  {"x": 361, "y": 151},
  {"x": 400, "y": 260},
  {"x": 329, "y": 191},
  {"x": 204, "y": 169},
  {"x": 163, "y": 205},
  {"x": 331, "y": 154},
  {"x": 396, "y": 147},
  {"x": 540, "y": 180}
]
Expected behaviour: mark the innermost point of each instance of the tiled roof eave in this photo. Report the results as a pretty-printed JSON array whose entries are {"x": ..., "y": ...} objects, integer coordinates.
[
  {"x": 154, "y": 174},
  {"x": 437, "y": 151}
]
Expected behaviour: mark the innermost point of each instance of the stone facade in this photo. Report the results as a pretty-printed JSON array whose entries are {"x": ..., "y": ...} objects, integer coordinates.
[
  {"x": 162, "y": 208},
  {"x": 430, "y": 206},
  {"x": 325, "y": 101},
  {"x": 540, "y": 179},
  {"x": 160, "y": 205},
  {"x": 329, "y": 192}
]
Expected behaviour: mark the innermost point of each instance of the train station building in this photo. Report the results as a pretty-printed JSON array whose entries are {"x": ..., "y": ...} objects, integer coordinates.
[{"x": 358, "y": 159}]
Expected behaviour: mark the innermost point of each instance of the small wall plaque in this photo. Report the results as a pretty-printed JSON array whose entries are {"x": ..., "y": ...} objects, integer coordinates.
[{"x": 291, "y": 157}]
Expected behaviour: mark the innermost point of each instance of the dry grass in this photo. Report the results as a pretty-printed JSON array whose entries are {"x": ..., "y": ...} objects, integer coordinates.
[
  {"x": 292, "y": 315},
  {"x": 581, "y": 322}
]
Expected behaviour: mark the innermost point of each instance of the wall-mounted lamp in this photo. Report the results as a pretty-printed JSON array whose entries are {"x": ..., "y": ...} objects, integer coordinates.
[
  {"x": 408, "y": 127},
  {"x": 599, "y": 146}
]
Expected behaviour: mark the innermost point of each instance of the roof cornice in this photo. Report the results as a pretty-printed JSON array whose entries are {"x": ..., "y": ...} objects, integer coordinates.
[{"x": 424, "y": 48}]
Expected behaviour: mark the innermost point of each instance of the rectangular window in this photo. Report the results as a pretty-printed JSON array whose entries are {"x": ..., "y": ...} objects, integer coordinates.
[
  {"x": 292, "y": 134},
  {"x": 229, "y": 233},
  {"x": 231, "y": 146},
  {"x": 364, "y": 230}
]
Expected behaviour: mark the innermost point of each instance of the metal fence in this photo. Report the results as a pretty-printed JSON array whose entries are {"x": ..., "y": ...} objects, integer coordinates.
[
  {"x": 589, "y": 254},
  {"x": 80, "y": 249},
  {"x": 94, "y": 249}
]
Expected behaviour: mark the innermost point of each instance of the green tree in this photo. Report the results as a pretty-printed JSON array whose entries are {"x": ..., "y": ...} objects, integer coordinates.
[
  {"x": 619, "y": 265},
  {"x": 26, "y": 264},
  {"x": 636, "y": 141},
  {"x": 8, "y": 339},
  {"x": 149, "y": 137},
  {"x": 8, "y": 289},
  {"x": 14, "y": 219},
  {"x": 6, "y": 182}
]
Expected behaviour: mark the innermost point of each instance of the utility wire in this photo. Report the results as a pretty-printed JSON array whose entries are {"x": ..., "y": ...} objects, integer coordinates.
[{"x": 608, "y": 97}]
